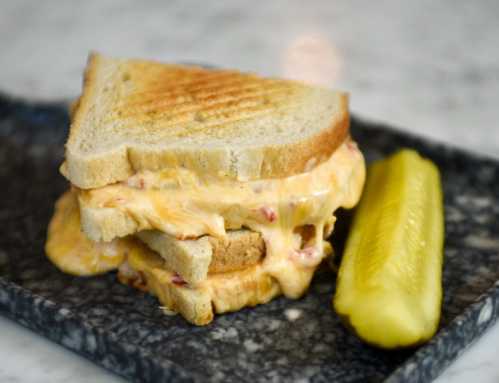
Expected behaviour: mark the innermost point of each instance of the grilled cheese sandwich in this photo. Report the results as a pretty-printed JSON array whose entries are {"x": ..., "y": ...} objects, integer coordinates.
[{"x": 167, "y": 201}]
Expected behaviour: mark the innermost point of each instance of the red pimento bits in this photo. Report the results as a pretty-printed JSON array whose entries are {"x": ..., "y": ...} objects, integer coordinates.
[
  {"x": 308, "y": 256},
  {"x": 140, "y": 283},
  {"x": 183, "y": 237},
  {"x": 136, "y": 182},
  {"x": 269, "y": 213},
  {"x": 308, "y": 252},
  {"x": 352, "y": 146},
  {"x": 257, "y": 189},
  {"x": 178, "y": 280}
]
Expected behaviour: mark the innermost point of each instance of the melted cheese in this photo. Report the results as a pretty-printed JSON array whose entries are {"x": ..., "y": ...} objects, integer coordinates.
[
  {"x": 71, "y": 251},
  {"x": 178, "y": 203}
]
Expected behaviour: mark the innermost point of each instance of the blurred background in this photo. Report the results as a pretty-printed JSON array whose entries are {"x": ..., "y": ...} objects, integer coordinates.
[{"x": 431, "y": 67}]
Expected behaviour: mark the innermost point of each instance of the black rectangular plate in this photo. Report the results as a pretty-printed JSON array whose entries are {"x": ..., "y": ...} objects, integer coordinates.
[{"x": 125, "y": 331}]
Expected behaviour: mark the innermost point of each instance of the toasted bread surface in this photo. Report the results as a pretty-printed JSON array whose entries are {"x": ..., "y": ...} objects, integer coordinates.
[{"x": 138, "y": 115}]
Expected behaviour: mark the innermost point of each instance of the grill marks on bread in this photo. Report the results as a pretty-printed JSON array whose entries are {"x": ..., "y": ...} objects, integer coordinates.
[{"x": 137, "y": 115}]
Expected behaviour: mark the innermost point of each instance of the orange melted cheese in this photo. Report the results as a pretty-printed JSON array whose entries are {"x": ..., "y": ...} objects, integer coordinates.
[
  {"x": 71, "y": 251},
  {"x": 178, "y": 203}
]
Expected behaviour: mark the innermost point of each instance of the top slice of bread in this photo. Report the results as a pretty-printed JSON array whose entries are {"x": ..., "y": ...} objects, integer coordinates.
[{"x": 138, "y": 115}]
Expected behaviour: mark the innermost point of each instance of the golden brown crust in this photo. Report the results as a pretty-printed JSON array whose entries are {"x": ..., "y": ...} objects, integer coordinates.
[
  {"x": 73, "y": 106},
  {"x": 145, "y": 104},
  {"x": 95, "y": 170},
  {"x": 286, "y": 161},
  {"x": 80, "y": 107}
]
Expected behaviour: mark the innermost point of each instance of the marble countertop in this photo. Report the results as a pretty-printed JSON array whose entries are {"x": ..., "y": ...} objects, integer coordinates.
[{"x": 431, "y": 68}]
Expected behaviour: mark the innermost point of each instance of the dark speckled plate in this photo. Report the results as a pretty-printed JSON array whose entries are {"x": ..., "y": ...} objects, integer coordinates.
[{"x": 125, "y": 331}]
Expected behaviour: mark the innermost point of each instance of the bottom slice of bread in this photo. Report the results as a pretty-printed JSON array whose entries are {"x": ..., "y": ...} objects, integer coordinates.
[{"x": 219, "y": 293}]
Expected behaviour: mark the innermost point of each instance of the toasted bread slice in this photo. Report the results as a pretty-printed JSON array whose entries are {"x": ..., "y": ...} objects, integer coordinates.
[
  {"x": 194, "y": 259},
  {"x": 138, "y": 115},
  {"x": 220, "y": 293}
]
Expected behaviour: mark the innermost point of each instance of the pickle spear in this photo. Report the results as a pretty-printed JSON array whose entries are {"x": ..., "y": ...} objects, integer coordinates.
[{"x": 389, "y": 287}]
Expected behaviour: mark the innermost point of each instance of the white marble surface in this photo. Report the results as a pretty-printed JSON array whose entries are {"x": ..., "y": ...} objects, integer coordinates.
[{"x": 429, "y": 67}]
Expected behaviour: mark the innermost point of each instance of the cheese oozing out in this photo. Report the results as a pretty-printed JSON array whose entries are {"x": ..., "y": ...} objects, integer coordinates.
[
  {"x": 71, "y": 251},
  {"x": 180, "y": 204}
]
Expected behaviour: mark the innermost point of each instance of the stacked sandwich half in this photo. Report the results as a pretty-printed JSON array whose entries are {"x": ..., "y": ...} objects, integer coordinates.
[{"x": 212, "y": 189}]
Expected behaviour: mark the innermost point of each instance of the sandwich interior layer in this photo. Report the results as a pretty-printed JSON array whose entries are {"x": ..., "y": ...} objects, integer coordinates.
[
  {"x": 292, "y": 214},
  {"x": 71, "y": 251}
]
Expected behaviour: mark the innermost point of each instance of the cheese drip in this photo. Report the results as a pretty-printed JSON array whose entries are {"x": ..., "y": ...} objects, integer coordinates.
[{"x": 71, "y": 251}]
